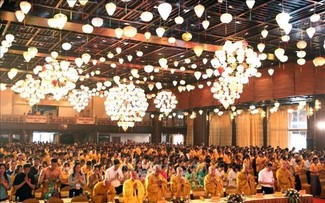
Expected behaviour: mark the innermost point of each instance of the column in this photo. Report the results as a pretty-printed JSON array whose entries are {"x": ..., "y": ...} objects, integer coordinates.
[
  {"x": 201, "y": 130},
  {"x": 156, "y": 130},
  {"x": 265, "y": 128},
  {"x": 234, "y": 132}
]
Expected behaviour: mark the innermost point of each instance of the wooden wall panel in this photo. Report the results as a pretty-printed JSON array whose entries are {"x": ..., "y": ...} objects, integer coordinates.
[
  {"x": 248, "y": 92},
  {"x": 303, "y": 77},
  {"x": 263, "y": 87},
  {"x": 183, "y": 99},
  {"x": 283, "y": 81},
  {"x": 319, "y": 80},
  {"x": 202, "y": 97}
]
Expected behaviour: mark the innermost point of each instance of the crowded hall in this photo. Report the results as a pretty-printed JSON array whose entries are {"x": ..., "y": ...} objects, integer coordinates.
[{"x": 162, "y": 101}]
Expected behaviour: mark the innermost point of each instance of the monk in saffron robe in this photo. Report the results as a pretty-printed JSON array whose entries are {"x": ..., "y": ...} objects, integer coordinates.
[
  {"x": 133, "y": 189},
  {"x": 156, "y": 185},
  {"x": 103, "y": 192},
  {"x": 245, "y": 181},
  {"x": 285, "y": 178},
  {"x": 213, "y": 185},
  {"x": 180, "y": 186}
]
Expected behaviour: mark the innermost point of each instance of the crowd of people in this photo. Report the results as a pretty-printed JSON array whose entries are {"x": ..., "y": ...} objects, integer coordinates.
[{"x": 143, "y": 171}]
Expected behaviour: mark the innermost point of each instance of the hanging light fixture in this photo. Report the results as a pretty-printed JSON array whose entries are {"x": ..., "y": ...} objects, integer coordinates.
[
  {"x": 226, "y": 18},
  {"x": 97, "y": 22},
  {"x": 71, "y": 3},
  {"x": 250, "y": 3},
  {"x": 310, "y": 32},
  {"x": 171, "y": 40},
  {"x": 25, "y": 6},
  {"x": 33, "y": 51},
  {"x": 314, "y": 18},
  {"x": 164, "y": 10},
  {"x": 186, "y": 36},
  {"x": 27, "y": 56},
  {"x": 110, "y": 8},
  {"x": 165, "y": 101},
  {"x": 61, "y": 20},
  {"x": 129, "y": 31},
  {"x": 118, "y": 32},
  {"x": 146, "y": 16},
  {"x": 66, "y": 46},
  {"x": 139, "y": 53},
  {"x": 301, "y": 61},
  {"x": 87, "y": 28},
  {"x": 270, "y": 71},
  {"x": 162, "y": 62},
  {"x": 301, "y": 44},
  {"x": 147, "y": 35},
  {"x": 264, "y": 33},
  {"x": 160, "y": 31},
  {"x": 261, "y": 47},
  {"x": 205, "y": 24},
  {"x": 12, "y": 73},
  {"x": 287, "y": 28},
  {"x": 148, "y": 68},
  {"x": 78, "y": 61},
  {"x": 110, "y": 55},
  {"x": 197, "y": 75},
  {"x": 198, "y": 50},
  {"x": 118, "y": 50},
  {"x": 179, "y": 20},
  {"x": 86, "y": 57},
  {"x": 199, "y": 10},
  {"x": 83, "y": 2},
  {"x": 282, "y": 19},
  {"x": 20, "y": 15}
]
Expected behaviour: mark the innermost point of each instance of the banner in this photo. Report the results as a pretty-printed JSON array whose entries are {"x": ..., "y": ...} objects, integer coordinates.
[
  {"x": 84, "y": 120},
  {"x": 35, "y": 119}
]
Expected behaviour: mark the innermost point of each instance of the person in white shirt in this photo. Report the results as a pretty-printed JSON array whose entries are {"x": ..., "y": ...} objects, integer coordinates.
[
  {"x": 232, "y": 174},
  {"x": 114, "y": 174},
  {"x": 307, "y": 163},
  {"x": 266, "y": 179}
]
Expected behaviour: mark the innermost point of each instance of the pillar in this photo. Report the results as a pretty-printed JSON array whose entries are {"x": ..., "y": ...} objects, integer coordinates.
[
  {"x": 201, "y": 129},
  {"x": 234, "y": 132},
  {"x": 156, "y": 130}
]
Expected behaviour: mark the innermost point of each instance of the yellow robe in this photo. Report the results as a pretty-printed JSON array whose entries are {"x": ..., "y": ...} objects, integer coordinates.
[
  {"x": 285, "y": 179},
  {"x": 178, "y": 189},
  {"x": 245, "y": 183},
  {"x": 129, "y": 193},
  {"x": 154, "y": 192},
  {"x": 102, "y": 194},
  {"x": 212, "y": 188}
]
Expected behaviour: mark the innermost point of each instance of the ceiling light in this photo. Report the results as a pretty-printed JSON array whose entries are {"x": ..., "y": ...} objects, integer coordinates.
[
  {"x": 12, "y": 73},
  {"x": 78, "y": 62},
  {"x": 282, "y": 19},
  {"x": 27, "y": 56},
  {"x": 87, "y": 28},
  {"x": 199, "y": 10},
  {"x": 179, "y": 20},
  {"x": 205, "y": 24},
  {"x": 139, "y": 53},
  {"x": 314, "y": 18},
  {"x": 165, "y": 101},
  {"x": 164, "y": 10},
  {"x": 146, "y": 16},
  {"x": 171, "y": 40},
  {"x": 160, "y": 31},
  {"x": 148, "y": 68},
  {"x": 270, "y": 71},
  {"x": 198, "y": 50},
  {"x": 85, "y": 57},
  {"x": 279, "y": 52},
  {"x": 287, "y": 28},
  {"x": 118, "y": 50},
  {"x": 20, "y": 15},
  {"x": 301, "y": 61},
  {"x": 121, "y": 60},
  {"x": 66, "y": 46},
  {"x": 310, "y": 32},
  {"x": 83, "y": 2},
  {"x": 205, "y": 61},
  {"x": 9, "y": 38},
  {"x": 197, "y": 75},
  {"x": 319, "y": 61},
  {"x": 264, "y": 33},
  {"x": 118, "y": 32},
  {"x": 102, "y": 59},
  {"x": 33, "y": 51},
  {"x": 97, "y": 22},
  {"x": 71, "y": 3},
  {"x": 25, "y": 6},
  {"x": 110, "y": 8},
  {"x": 226, "y": 18},
  {"x": 250, "y": 3},
  {"x": 301, "y": 54},
  {"x": 110, "y": 55},
  {"x": 261, "y": 47},
  {"x": 129, "y": 31},
  {"x": 54, "y": 54},
  {"x": 186, "y": 36},
  {"x": 147, "y": 35},
  {"x": 61, "y": 20},
  {"x": 129, "y": 57},
  {"x": 301, "y": 44},
  {"x": 285, "y": 38},
  {"x": 175, "y": 63}
]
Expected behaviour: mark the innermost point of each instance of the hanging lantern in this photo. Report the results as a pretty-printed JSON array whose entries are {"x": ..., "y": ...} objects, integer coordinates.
[
  {"x": 147, "y": 35},
  {"x": 78, "y": 61},
  {"x": 110, "y": 55},
  {"x": 199, "y": 10},
  {"x": 20, "y": 15},
  {"x": 66, "y": 46},
  {"x": 27, "y": 56},
  {"x": 226, "y": 18},
  {"x": 282, "y": 19},
  {"x": 198, "y": 50},
  {"x": 205, "y": 24},
  {"x": 129, "y": 31},
  {"x": 118, "y": 32},
  {"x": 148, "y": 68},
  {"x": 71, "y": 3},
  {"x": 25, "y": 6},
  {"x": 83, "y": 2},
  {"x": 171, "y": 40},
  {"x": 264, "y": 33},
  {"x": 314, "y": 18},
  {"x": 310, "y": 32},
  {"x": 301, "y": 54},
  {"x": 301, "y": 44},
  {"x": 319, "y": 61},
  {"x": 179, "y": 20},
  {"x": 163, "y": 62},
  {"x": 129, "y": 57},
  {"x": 160, "y": 31},
  {"x": 197, "y": 75},
  {"x": 261, "y": 47},
  {"x": 61, "y": 20},
  {"x": 87, "y": 29},
  {"x": 52, "y": 23},
  {"x": 139, "y": 53},
  {"x": 250, "y": 3},
  {"x": 118, "y": 50},
  {"x": 270, "y": 71},
  {"x": 146, "y": 16},
  {"x": 287, "y": 28},
  {"x": 110, "y": 8},
  {"x": 279, "y": 52},
  {"x": 54, "y": 54},
  {"x": 85, "y": 57},
  {"x": 33, "y": 51},
  {"x": 97, "y": 22},
  {"x": 164, "y": 10},
  {"x": 285, "y": 38},
  {"x": 12, "y": 73},
  {"x": 301, "y": 61},
  {"x": 9, "y": 38},
  {"x": 186, "y": 36}
]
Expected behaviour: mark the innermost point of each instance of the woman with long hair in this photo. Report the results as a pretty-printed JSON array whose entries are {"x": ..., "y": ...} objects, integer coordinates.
[
  {"x": 77, "y": 181},
  {"x": 5, "y": 183}
]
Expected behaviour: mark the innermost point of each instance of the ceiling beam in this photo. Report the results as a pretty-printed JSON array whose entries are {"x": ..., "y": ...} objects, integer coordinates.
[{"x": 107, "y": 32}]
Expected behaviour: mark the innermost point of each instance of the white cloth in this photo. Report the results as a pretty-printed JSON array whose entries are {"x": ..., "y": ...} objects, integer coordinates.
[
  {"x": 307, "y": 165},
  {"x": 115, "y": 176},
  {"x": 265, "y": 176}
]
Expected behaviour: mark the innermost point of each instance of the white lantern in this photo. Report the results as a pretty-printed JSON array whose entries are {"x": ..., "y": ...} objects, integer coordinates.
[
  {"x": 10, "y": 38},
  {"x": 198, "y": 50},
  {"x": 85, "y": 57},
  {"x": 129, "y": 57},
  {"x": 264, "y": 33},
  {"x": 282, "y": 19},
  {"x": 160, "y": 31},
  {"x": 87, "y": 29},
  {"x": 54, "y": 54},
  {"x": 20, "y": 15},
  {"x": 226, "y": 18},
  {"x": 27, "y": 56},
  {"x": 118, "y": 32},
  {"x": 279, "y": 52},
  {"x": 97, "y": 22},
  {"x": 301, "y": 44},
  {"x": 171, "y": 40},
  {"x": 199, "y": 10},
  {"x": 78, "y": 62},
  {"x": 287, "y": 28},
  {"x": 61, "y": 20},
  {"x": 118, "y": 50},
  {"x": 110, "y": 55},
  {"x": 110, "y": 8},
  {"x": 147, "y": 35},
  {"x": 146, "y": 16},
  {"x": 33, "y": 51},
  {"x": 285, "y": 38},
  {"x": 197, "y": 75},
  {"x": 139, "y": 53},
  {"x": 66, "y": 46},
  {"x": 12, "y": 73},
  {"x": 52, "y": 23},
  {"x": 71, "y": 3},
  {"x": 310, "y": 32},
  {"x": 129, "y": 31},
  {"x": 301, "y": 61},
  {"x": 179, "y": 20},
  {"x": 301, "y": 54},
  {"x": 148, "y": 68},
  {"x": 164, "y": 10},
  {"x": 250, "y": 3},
  {"x": 205, "y": 24},
  {"x": 261, "y": 47},
  {"x": 270, "y": 71},
  {"x": 25, "y": 6},
  {"x": 314, "y": 18},
  {"x": 83, "y": 2}
]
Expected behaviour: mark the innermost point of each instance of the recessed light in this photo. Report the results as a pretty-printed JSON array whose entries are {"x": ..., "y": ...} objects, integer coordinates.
[
  {"x": 126, "y": 24},
  {"x": 209, "y": 16}
]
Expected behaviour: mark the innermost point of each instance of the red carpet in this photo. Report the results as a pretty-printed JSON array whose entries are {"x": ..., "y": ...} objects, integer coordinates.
[{"x": 318, "y": 200}]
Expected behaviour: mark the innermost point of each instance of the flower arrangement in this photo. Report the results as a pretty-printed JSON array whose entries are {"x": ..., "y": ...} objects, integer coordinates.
[
  {"x": 235, "y": 198},
  {"x": 292, "y": 194}
]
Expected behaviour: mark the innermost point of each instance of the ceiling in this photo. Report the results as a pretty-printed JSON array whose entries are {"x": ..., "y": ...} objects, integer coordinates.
[{"x": 34, "y": 31}]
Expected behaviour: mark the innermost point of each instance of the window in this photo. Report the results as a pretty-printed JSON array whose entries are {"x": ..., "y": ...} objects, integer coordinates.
[
  {"x": 297, "y": 127},
  {"x": 43, "y": 136}
]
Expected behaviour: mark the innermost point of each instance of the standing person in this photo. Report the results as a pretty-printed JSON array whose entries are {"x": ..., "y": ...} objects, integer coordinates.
[
  {"x": 180, "y": 186},
  {"x": 5, "y": 183},
  {"x": 114, "y": 174},
  {"x": 297, "y": 171},
  {"x": 307, "y": 162},
  {"x": 315, "y": 169},
  {"x": 133, "y": 189},
  {"x": 213, "y": 185},
  {"x": 77, "y": 181},
  {"x": 266, "y": 179},
  {"x": 156, "y": 185},
  {"x": 24, "y": 183},
  {"x": 245, "y": 181}
]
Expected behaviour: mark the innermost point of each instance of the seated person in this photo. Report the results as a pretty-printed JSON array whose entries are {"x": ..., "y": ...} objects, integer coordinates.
[
  {"x": 103, "y": 192},
  {"x": 213, "y": 185},
  {"x": 133, "y": 189},
  {"x": 180, "y": 186},
  {"x": 77, "y": 181}
]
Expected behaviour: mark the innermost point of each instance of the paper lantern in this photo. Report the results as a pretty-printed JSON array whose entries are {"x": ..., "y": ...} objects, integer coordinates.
[
  {"x": 20, "y": 15},
  {"x": 270, "y": 71},
  {"x": 33, "y": 51},
  {"x": 314, "y": 18},
  {"x": 310, "y": 32},
  {"x": 261, "y": 47},
  {"x": 186, "y": 36},
  {"x": 226, "y": 18},
  {"x": 148, "y": 68},
  {"x": 198, "y": 50},
  {"x": 85, "y": 57},
  {"x": 264, "y": 33},
  {"x": 147, "y": 35},
  {"x": 179, "y": 20},
  {"x": 110, "y": 8},
  {"x": 83, "y": 2},
  {"x": 10, "y": 38},
  {"x": 282, "y": 19},
  {"x": 71, "y": 3},
  {"x": 66, "y": 46},
  {"x": 61, "y": 20},
  {"x": 129, "y": 31},
  {"x": 160, "y": 31},
  {"x": 164, "y": 10},
  {"x": 25, "y": 6},
  {"x": 301, "y": 44},
  {"x": 199, "y": 10},
  {"x": 87, "y": 29},
  {"x": 146, "y": 16},
  {"x": 27, "y": 56},
  {"x": 250, "y": 3},
  {"x": 171, "y": 40},
  {"x": 205, "y": 24},
  {"x": 97, "y": 22},
  {"x": 118, "y": 32}
]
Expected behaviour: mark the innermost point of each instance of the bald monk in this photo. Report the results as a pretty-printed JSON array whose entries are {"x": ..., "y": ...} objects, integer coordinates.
[
  {"x": 245, "y": 181},
  {"x": 156, "y": 185},
  {"x": 133, "y": 189},
  {"x": 213, "y": 185},
  {"x": 180, "y": 186},
  {"x": 284, "y": 177},
  {"x": 103, "y": 192}
]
